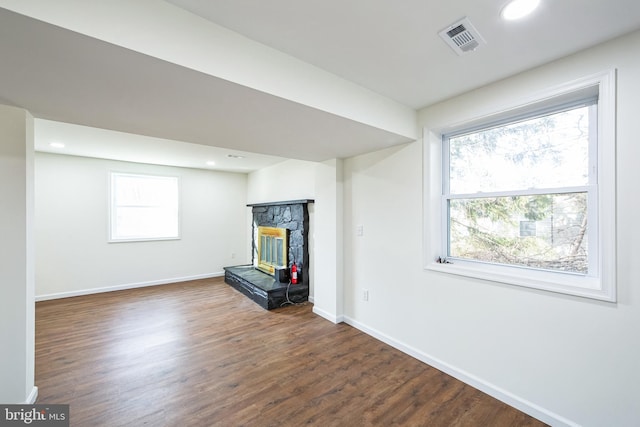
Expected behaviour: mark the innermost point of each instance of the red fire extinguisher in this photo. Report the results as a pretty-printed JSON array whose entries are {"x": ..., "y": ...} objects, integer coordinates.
[{"x": 294, "y": 273}]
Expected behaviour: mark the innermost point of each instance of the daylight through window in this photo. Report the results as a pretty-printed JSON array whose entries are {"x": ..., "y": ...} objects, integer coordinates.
[
  {"x": 526, "y": 195},
  {"x": 144, "y": 207},
  {"x": 518, "y": 192}
]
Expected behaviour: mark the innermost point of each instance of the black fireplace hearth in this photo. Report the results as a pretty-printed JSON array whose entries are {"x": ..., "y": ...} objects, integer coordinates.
[{"x": 264, "y": 288}]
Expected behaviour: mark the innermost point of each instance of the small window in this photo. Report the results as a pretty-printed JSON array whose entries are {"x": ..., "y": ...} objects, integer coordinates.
[
  {"x": 144, "y": 207},
  {"x": 527, "y": 195}
]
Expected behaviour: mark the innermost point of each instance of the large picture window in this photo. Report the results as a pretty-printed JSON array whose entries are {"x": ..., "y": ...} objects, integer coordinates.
[
  {"x": 144, "y": 207},
  {"x": 527, "y": 196},
  {"x": 517, "y": 193}
]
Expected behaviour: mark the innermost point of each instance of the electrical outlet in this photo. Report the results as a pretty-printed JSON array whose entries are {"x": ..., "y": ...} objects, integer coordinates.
[
  {"x": 365, "y": 295},
  {"x": 233, "y": 255},
  {"x": 360, "y": 230}
]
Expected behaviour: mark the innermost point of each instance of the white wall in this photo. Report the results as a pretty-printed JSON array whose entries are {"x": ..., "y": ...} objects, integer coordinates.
[
  {"x": 17, "y": 308},
  {"x": 329, "y": 273},
  {"x": 72, "y": 253},
  {"x": 288, "y": 180},
  {"x": 567, "y": 360}
]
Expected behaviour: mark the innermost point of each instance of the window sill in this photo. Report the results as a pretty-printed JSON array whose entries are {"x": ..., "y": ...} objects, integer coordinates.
[
  {"x": 564, "y": 283},
  {"x": 142, "y": 239}
]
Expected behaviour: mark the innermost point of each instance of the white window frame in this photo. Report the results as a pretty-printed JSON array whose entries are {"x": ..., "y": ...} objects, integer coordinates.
[
  {"x": 600, "y": 283},
  {"x": 113, "y": 235}
]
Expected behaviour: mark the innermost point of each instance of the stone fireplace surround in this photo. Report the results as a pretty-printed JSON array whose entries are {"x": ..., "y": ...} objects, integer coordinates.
[{"x": 263, "y": 288}]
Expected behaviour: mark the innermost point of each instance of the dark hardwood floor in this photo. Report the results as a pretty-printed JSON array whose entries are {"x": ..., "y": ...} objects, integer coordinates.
[{"x": 201, "y": 354}]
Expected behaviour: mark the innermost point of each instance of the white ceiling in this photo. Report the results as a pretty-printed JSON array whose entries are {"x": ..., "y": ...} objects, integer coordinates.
[
  {"x": 87, "y": 141},
  {"x": 390, "y": 49},
  {"x": 393, "y": 48}
]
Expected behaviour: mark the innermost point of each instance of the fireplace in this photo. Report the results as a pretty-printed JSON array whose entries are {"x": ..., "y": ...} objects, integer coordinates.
[{"x": 280, "y": 237}]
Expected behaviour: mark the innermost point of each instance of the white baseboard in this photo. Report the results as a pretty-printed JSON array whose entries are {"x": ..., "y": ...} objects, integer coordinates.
[
  {"x": 69, "y": 294},
  {"x": 329, "y": 316},
  {"x": 510, "y": 399},
  {"x": 33, "y": 396}
]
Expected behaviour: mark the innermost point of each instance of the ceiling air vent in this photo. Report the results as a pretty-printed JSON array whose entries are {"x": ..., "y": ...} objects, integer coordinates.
[{"x": 462, "y": 37}]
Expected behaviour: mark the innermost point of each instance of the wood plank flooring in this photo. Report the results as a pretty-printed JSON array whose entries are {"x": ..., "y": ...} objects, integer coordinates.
[{"x": 201, "y": 354}]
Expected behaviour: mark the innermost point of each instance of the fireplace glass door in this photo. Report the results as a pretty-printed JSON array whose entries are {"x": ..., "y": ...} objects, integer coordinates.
[{"x": 272, "y": 248}]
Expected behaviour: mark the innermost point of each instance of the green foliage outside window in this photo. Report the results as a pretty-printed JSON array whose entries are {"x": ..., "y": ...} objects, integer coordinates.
[{"x": 536, "y": 171}]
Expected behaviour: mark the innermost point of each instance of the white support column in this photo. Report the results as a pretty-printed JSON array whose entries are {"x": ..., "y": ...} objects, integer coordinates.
[
  {"x": 17, "y": 306},
  {"x": 328, "y": 228}
]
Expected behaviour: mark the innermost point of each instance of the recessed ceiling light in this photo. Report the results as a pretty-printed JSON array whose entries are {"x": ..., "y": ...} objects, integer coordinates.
[
  {"x": 211, "y": 163},
  {"x": 56, "y": 145},
  {"x": 517, "y": 9},
  {"x": 234, "y": 156}
]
